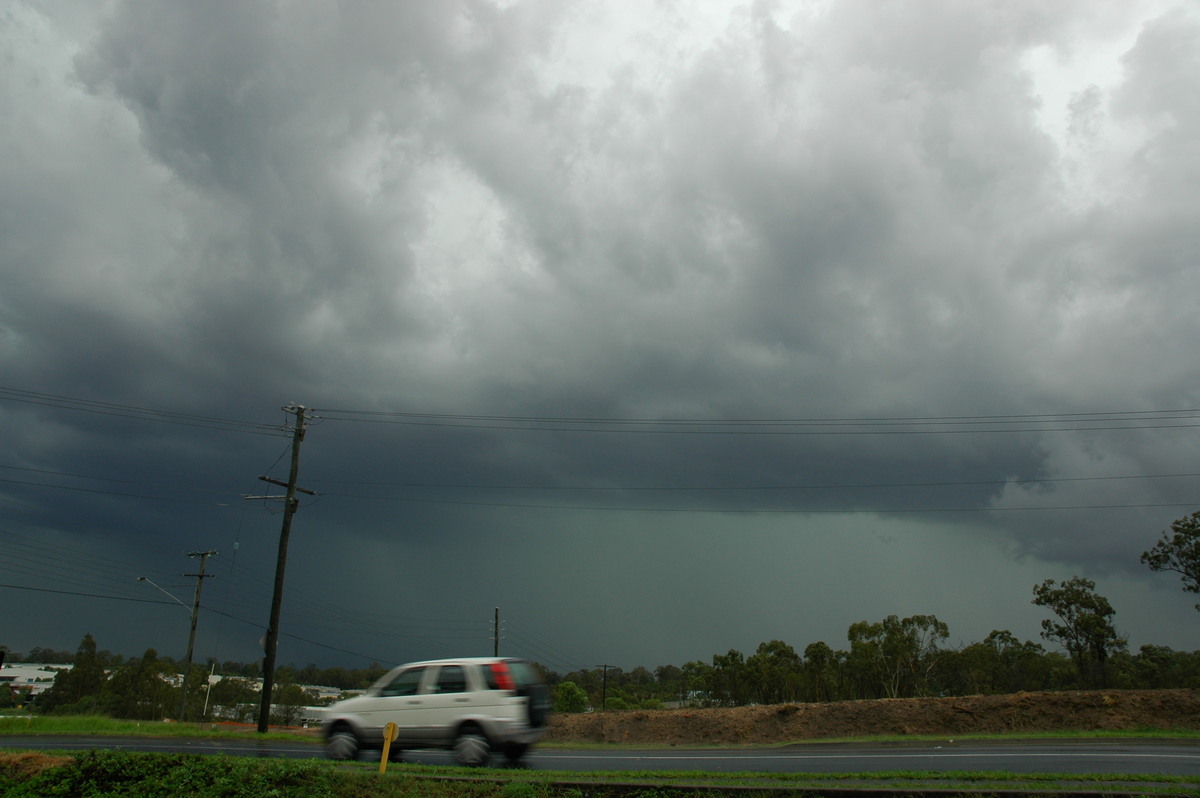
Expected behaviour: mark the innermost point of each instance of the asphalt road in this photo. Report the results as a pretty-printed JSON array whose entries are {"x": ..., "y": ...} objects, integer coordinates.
[
  {"x": 1173, "y": 758},
  {"x": 1039, "y": 757}
]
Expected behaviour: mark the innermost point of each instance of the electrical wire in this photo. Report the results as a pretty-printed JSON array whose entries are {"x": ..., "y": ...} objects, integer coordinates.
[
  {"x": 864, "y": 509},
  {"x": 899, "y": 425},
  {"x": 729, "y": 488},
  {"x": 135, "y": 412},
  {"x": 237, "y": 593}
]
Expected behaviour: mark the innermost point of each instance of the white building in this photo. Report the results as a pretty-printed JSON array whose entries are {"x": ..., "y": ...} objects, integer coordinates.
[{"x": 30, "y": 676}]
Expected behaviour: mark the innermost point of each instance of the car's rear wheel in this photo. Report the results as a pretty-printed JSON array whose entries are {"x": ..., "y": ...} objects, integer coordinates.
[
  {"x": 471, "y": 747},
  {"x": 342, "y": 744}
]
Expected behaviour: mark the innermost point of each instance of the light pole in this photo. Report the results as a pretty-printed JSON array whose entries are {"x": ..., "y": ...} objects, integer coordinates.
[
  {"x": 187, "y": 668},
  {"x": 203, "y": 555}
]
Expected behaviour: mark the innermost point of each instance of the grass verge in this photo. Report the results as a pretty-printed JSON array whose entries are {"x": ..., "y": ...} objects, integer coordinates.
[{"x": 100, "y": 725}]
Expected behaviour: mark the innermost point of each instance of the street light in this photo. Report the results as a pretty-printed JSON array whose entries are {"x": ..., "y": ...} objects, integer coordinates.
[{"x": 187, "y": 668}]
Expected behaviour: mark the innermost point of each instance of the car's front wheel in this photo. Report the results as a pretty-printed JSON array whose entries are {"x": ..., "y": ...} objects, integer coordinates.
[
  {"x": 342, "y": 743},
  {"x": 471, "y": 748}
]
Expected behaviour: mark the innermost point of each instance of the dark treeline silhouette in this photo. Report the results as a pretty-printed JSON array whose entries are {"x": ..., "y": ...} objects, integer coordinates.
[{"x": 891, "y": 659}]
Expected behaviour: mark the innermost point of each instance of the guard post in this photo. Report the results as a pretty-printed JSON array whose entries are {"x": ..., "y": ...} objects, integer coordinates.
[{"x": 390, "y": 733}]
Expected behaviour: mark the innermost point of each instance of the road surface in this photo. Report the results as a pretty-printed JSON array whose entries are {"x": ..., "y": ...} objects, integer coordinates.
[{"x": 1161, "y": 757}]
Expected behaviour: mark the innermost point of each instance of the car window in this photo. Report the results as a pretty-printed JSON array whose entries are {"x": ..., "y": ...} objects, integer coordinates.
[
  {"x": 523, "y": 673},
  {"x": 510, "y": 674},
  {"x": 405, "y": 683},
  {"x": 451, "y": 679}
]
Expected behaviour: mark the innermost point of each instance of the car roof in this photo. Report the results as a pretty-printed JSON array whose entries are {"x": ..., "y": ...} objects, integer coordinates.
[{"x": 461, "y": 661}]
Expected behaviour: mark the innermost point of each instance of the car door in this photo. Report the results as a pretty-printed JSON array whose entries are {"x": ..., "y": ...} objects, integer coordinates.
[
  {"x": 400, "y": 701},
  {"x": 447, "y": 699}
]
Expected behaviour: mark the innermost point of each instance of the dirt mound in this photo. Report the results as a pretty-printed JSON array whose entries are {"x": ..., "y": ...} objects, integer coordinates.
[
  {"x": 1109, "y": 710},
  {"x": 23, "y": 765}
]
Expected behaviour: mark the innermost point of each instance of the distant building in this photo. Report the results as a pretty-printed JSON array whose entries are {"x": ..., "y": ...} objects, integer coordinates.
[{"x": 29, "y": 677}]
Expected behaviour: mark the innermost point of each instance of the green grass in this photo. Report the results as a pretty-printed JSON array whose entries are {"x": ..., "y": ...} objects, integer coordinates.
[{"x": 100, "y": 725}]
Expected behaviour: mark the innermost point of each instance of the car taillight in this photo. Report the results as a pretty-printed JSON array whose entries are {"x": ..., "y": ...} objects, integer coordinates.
[{"x": 502, "y": 677}]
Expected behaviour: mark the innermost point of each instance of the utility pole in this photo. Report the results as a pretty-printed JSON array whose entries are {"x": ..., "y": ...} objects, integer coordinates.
[
  {"x": 187, "y": 668},
  {"x": 289, "y": 509},
  {"x": 604, "y": 686},
  {"x": 496, "y": 634}
]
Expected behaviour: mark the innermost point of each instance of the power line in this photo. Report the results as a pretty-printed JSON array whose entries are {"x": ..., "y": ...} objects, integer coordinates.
[
  {"x": 1007, "y": 418},
  {"x": 88, "y": 595},
  {"x": 78, "y": 489},
  {"x": 898, "y": 425},
  {"x": 620, "y": 489},
  {"x": 764, "y": 510},
  {"x": 135, "y": 412},
  {"x": 586, "y": 488},
  {"x": 724, "y": 488},
  {"x": 877, "y": 425},
  {"x": 139, "y": 483},
  {"x": 209, "y": 609}
]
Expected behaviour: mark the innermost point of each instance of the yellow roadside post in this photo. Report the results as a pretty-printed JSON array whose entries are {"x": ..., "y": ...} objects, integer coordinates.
[{"x": 390, "y": 733}]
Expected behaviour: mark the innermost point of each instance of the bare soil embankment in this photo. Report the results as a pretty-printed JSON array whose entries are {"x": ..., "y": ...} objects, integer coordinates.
[{"x": 1103, "y": 710}]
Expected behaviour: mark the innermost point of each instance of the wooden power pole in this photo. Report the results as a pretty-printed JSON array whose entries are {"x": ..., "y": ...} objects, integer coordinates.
[
  {"x": 289, "y": 509},
  {"x": 187, "y": 668}
]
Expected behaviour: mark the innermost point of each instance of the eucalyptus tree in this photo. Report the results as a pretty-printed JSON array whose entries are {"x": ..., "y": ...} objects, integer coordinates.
[
  {"x": 1179, "y": 552},
  {"x": 900, "y": 654},
  {"x": 774, "y": 671},
  {"x": 821, "y": 670},
  {"x": 728, "y": 678},
  {"x": 1084, "y": 626}
]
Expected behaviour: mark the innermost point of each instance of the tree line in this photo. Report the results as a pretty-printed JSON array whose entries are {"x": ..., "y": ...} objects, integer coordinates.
[
  {"x": 907, "y": 657},
  {"x": 151, "y": 687},
  {"x": 891, "y": 658}
]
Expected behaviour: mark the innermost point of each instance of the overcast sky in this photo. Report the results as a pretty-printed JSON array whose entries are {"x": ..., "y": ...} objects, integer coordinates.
[{"x": 667, "y": 328}]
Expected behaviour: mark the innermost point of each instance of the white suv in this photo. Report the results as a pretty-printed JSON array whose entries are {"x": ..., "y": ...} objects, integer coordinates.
[{"x": 471, "y": 706}]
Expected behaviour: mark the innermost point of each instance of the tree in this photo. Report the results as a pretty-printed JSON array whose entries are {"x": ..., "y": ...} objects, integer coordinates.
[
  {"x": 1179, "y": 552},
  {"x": 898, "y": 654},
  {"x": 570, "y": 697},
  {"x": 288, "y": 702},
  {"x": 727, "y": 678},
  {"x": 775, "y": 672},
  {"x": 698, "y": 681},
  {"x": 44, "y": 656},
  {"x": 139, "y": 689},
  {"x": 78, "y": 690},
  {"x": 1086, "y": 630},
  {"x": 820, "y": 671},
  {"x": 234, "y": 698},
  {"x": 671, "y": 682}
]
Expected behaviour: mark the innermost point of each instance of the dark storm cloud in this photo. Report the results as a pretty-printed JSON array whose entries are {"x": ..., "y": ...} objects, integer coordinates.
[{"x": 502, "y": 215}]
